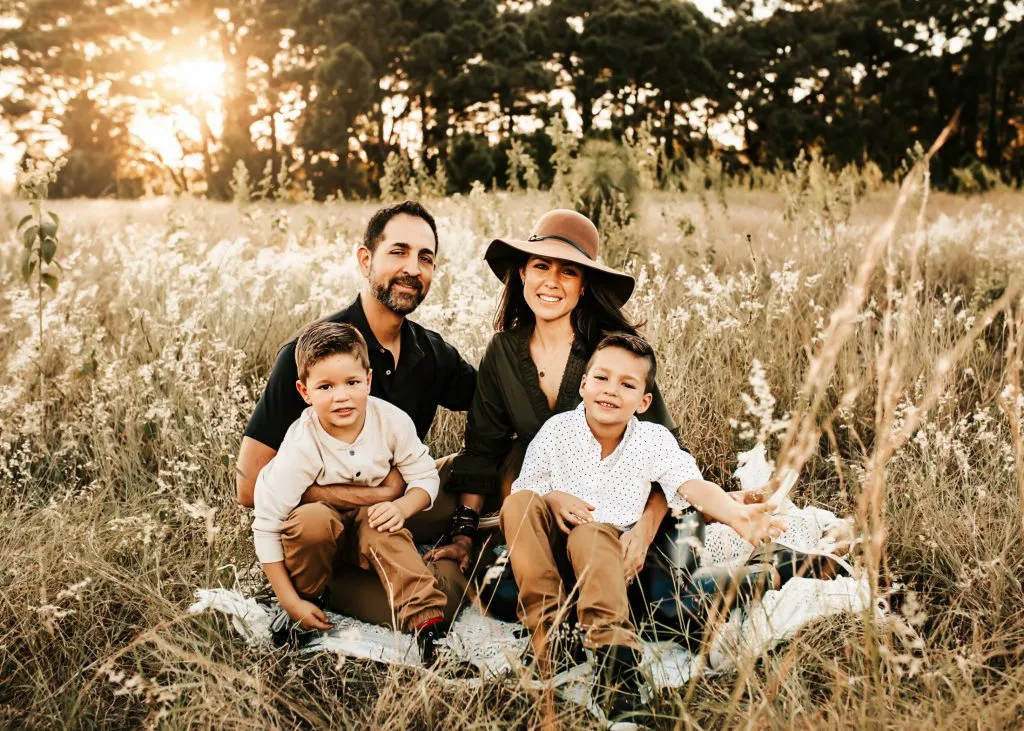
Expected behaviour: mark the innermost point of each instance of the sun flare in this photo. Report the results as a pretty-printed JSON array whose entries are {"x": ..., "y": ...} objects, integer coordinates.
[
  {"x": 199, "y": 77},
  {"x": 200, "y": 82}
]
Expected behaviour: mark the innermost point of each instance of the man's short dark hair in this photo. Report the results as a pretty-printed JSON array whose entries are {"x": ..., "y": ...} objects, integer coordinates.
[
  {"x": 635, "y": 345},
  {"x": 322, "y": 340},
  {"x": 375, "y": 228}
]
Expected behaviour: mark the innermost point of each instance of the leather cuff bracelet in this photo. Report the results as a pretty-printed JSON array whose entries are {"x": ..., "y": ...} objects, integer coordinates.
[{"x": 464, "y": 522}]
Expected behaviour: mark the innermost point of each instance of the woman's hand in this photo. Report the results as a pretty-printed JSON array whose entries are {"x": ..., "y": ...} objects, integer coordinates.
[
  {"x": 756, "y": 524},
  {"x": 569, "y": 510},
  {"x": 460, "y": 549},
  {"x": 747, "y": 497},
  {"x": 308, "y": 614},
  {"x": 635, "y": 544}
]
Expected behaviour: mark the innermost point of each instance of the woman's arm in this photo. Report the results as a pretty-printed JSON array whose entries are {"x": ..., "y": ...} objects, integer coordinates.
[
  {"x": 658, "y": 413},
  {"x": 488, "y": 435},
  {"x": 638, "y": 539}
]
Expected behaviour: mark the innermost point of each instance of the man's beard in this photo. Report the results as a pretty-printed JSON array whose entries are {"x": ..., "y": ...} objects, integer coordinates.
[{"x": 401, "y": 303}]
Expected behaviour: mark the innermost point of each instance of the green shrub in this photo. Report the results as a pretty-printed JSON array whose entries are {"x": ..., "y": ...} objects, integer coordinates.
[{"x": 604, "y": 181}]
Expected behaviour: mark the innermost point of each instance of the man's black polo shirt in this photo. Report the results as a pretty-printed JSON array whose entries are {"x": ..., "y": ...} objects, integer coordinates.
[{"x": 430, "y": 373}]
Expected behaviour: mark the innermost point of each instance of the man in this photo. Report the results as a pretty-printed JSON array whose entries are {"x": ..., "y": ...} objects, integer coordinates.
[{"x": 413, "y": 368}]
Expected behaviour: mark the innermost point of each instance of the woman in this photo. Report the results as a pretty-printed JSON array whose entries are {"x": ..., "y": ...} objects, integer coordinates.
[{"x": 558, "y": 301}]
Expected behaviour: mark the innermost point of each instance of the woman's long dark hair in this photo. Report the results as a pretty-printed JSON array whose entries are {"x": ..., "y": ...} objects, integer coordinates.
[{"x": 595, "y": 315}]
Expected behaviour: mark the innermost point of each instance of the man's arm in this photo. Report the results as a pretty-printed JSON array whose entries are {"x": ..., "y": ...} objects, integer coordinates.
[
  {"x": 253, "y": 456},
  {"x": 343, "y": 497},
  {"x": 456, "y": 391}
]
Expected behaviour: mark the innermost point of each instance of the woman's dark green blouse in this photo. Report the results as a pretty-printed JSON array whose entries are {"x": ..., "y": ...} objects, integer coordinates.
[{"x": 509, "y": 404}]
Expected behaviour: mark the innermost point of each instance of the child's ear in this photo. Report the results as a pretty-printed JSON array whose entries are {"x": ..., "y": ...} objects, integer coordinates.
[
  {"x": 645, "y": 403},
  {"x": 369, "y": 378},
  {"x": 583, "y": 384},
  {"x": 304, "y": 392},
  {"x": 522, "y": 275},
  {"x": 363, "y": 257}
]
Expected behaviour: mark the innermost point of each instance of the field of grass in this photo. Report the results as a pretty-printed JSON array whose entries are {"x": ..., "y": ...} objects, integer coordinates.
[{"x": 886, "y": 367}]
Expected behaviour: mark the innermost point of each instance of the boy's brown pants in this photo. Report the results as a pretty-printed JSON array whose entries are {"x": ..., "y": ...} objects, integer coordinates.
[
  {"x": 538, "y": 549},
  {"x": 317, "y": 537}
]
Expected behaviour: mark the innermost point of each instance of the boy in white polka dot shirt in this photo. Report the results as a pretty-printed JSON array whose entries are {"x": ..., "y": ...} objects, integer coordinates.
[{"x": 583, "y": 486}]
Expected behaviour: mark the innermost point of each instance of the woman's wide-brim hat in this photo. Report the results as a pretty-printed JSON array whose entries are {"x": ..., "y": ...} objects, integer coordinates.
[{"x": 566, "y": 235}]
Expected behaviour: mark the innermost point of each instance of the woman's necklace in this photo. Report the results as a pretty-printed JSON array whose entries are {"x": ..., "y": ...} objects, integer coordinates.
[{"x": 551, "y": 361}]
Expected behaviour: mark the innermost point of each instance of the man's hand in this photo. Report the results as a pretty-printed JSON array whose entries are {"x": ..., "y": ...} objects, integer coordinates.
[
  {"x": 756, "y": 524},
  {"x": 460, "y": 549},
  {"x": 308, "y": 614},
  {"x": 569, "y": 510},
  {"x": 387, "y": 516},
  {"x": 635, "y": 544}
]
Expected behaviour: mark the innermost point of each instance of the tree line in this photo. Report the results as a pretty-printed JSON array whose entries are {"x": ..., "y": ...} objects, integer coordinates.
[{"x": 320, "y": 93}]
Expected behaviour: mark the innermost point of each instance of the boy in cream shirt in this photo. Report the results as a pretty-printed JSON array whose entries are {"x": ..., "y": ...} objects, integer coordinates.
[{"x": 345, "y": 436}]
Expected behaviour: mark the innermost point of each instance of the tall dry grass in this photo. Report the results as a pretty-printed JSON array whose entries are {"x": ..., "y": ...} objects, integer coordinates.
[{"x": 159, "y": 338}]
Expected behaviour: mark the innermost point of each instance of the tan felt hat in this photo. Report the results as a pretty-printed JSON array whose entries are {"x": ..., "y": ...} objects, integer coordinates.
[{"x": 566, "y": 235}]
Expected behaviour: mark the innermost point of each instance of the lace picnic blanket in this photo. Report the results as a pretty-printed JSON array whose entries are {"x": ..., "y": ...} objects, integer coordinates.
[{"x": 495, "y": 647}]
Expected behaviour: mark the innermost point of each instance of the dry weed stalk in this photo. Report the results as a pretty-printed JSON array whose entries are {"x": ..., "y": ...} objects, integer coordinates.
[{"x": 1011, "y": 400}]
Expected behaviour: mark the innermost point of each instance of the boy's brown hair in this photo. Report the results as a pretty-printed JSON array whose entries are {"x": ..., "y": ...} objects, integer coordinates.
[
  {"x": 635, "y": 345},
  {"x": 324, "y": 339}
]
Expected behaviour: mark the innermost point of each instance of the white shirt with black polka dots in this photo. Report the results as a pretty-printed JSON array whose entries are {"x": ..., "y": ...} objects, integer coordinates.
[{"x": 566, "y": 456}]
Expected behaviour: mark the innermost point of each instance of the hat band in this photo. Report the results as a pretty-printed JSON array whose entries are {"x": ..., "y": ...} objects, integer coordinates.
[{"x": 571, "y": 243}]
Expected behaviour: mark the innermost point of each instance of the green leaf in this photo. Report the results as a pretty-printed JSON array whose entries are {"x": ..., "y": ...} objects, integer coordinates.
[
  {"x": 56, "y": 221},
  {"x": 149, "y": 430},
  {"x": 48, "y": 248},
  {"x": 49, "y": 229},
  {"x": 90, "y": 366},
  {"x": 29, "y": 237},
  {"x": 23, "y": 221},
  {"x": 28, "y": 264},
  {"x": 49, "y": 280}
]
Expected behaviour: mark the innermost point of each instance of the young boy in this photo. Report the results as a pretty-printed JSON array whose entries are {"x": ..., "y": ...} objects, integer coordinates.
[
  {"x": 345, "y": 436},
  {"x": 584, "y": 482}
]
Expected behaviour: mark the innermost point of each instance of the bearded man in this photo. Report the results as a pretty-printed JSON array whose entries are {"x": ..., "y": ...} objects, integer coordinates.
[{"x": 413, "y": 368}]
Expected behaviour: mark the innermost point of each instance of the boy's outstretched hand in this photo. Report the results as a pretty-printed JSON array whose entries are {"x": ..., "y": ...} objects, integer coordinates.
[
  {"x": 756, "y": 524},
  {"x": 309, "y": 615},
  {"x": 386, "y": 517},
  {"x": 569, "y": 510}
]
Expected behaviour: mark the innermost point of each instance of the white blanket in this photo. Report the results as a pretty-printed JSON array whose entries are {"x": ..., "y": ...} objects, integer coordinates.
[{"x": 495, "y": 646}]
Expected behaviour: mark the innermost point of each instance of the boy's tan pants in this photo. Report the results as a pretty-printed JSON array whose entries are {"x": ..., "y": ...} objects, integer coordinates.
[
  {"x": 537, "y": 550},
  {"x": 316, "y": 537}
]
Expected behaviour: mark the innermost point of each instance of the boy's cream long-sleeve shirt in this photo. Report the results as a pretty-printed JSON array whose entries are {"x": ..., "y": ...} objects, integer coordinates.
[{"x": 310, "y": 456}]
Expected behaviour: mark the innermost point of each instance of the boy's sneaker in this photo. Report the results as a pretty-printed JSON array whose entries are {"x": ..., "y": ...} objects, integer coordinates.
[
  {"x": 618, "y": 681},
  {"x": 286, "y": 633},
  {"x": 565, "y": 647},
  {"x": 427, "y": 635},
  {"x": 566, "y": 655}
]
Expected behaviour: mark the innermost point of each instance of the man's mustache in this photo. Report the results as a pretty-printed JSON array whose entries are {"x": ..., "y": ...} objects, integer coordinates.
[{"x": 408, "y": 282}]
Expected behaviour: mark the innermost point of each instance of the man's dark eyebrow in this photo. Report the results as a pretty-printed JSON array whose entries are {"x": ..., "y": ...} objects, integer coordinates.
[{"x": 403, "y": 245}]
